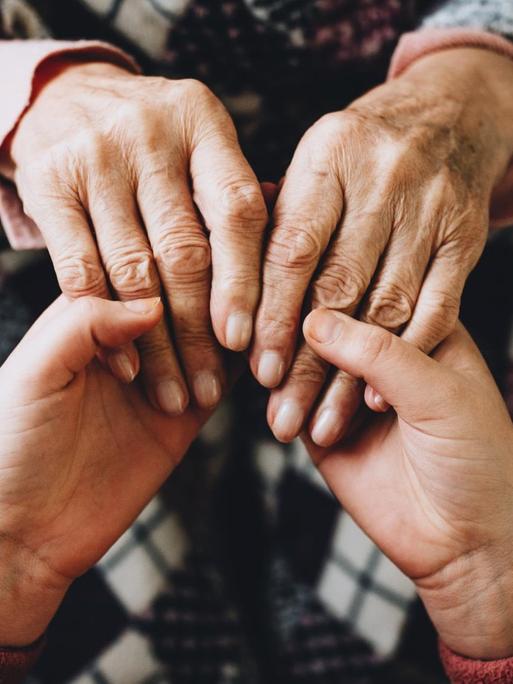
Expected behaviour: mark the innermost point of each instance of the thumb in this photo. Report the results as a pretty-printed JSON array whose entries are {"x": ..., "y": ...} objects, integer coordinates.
[
  {"x": 404, "y": 376},
  {"x": 68, "y": 336}
]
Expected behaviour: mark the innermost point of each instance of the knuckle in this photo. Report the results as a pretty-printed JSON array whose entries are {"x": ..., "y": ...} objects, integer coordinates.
[
  {"x": 79, "y": 275},
  {"x": 156, "y": 348},
  {"x": 195, "y": 337},
  {"x": 131, "y": 112},
  {"x": 377, "y": 343},
  {"x": 330, "y": 126},
  {"x": 280, "y": 325},
  {"x": 242, "y": 202},
  {"x": 89, "y": 145},
  {"x": 190, "y": 88},
  {"x": 133, "y": 274},
  {"x": 443, "y": 314},
  {"x": 308, "y": 369},
  {"x": 183, "y": 259},
  {"x": 390, "y": 307},
  {"x": 340, "y": 286},
  {"x": 295, "y": 249}
]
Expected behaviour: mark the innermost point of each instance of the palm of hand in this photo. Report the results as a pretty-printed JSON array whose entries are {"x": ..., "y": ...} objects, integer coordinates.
[
  {"x": 104, "y": 452},
  {"x": 427, "y": 491}
]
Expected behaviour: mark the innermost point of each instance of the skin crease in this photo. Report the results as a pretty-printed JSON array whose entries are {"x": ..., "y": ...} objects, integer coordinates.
[
  {"x": 74, "y": 440},
  {"x": 431, "y": 482},
  {"x": 149, "y": 164},
  {"x": 383, "y": 213}
]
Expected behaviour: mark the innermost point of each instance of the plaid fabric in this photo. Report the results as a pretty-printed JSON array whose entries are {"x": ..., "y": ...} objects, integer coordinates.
[{"x": 244, "y": 568}]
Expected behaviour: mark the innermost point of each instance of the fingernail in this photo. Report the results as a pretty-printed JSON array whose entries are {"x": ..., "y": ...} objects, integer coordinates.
[
  {"x": 171, "y": 397},
  {"x": 288, "y": 421},
  {"x": 326, "y": 328},
  {"x": 326, "y": 428},
  {"x": 207, "y": 389},
  {"x": 239, "y": 327},
  {"x": 142, "y": 306},
  {"x": 122, "y": 366},
  {"x": 270, "y": 369},
  {"x": 379, "y": 402}
]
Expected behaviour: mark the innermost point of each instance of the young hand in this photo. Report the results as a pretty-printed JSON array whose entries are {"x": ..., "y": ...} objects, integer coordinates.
[{"x": 431, "y": 482}]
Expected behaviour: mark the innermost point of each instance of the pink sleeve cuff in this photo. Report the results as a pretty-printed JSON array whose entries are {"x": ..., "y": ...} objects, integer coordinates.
[
  {"x": 17, "y": 84},
  {"x": 413, "y": 46},
  {"x": 16, "y": 663},
  {"x": 462, "y": 670}
]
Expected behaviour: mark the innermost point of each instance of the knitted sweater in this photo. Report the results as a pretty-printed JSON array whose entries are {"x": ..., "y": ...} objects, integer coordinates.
[{"x": 321, "y": 627}]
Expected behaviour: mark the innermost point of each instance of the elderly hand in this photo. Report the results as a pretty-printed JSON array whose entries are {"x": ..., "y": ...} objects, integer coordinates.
[
  {"x": 382, "y": 215},
  {"x": 432, "y": 482},
  {"x": 125, "y": 175},
  {"x": 80, "y": 454}
]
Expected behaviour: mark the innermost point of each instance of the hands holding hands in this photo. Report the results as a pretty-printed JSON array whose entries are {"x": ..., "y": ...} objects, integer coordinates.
[
  {"x": 382, "y": 215},
  {"x": 139, "y": 186},
  {"x": 80, "y": 454},
  {"x": 431, "y": 481}
]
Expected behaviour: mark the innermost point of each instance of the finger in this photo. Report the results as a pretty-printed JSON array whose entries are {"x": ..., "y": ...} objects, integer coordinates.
[
  {"x": 72, "y": 248},
  {"x": 133, "y": 275},
  {"x": 78, "y": 265},
  {"x": 438, "y": 304},
  {"x": 395, "y": 289},
  {"x": 291, "y": 403},
  {"x": 231, "y": 202},
  {"x": 182, "y": 253},
  {"x": 68, "y": 341},
  {"x": 394, "y": 368},
  {"x": 345, "y": 277},
  {"x": 307, "y": 213},
  {"x": 391, "y": 300},
  {"x": 336, "y": 410}
]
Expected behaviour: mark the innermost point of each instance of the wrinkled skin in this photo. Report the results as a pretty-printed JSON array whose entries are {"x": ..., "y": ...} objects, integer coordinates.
[
  {"x": 153, "y": 166},
  {"x": 432, "y": 481},
  {"x": 382, "y": 214}
]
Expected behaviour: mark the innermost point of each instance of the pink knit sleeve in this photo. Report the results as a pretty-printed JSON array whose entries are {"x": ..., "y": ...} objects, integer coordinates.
[
  {"x": 20, "y": 64},
  {"x": 417, "y": 44},
  {"x": 462, "y": 670}
]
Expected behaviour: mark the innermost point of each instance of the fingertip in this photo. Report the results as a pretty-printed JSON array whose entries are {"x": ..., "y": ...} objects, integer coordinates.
[
  {"x": 375, "y": 401},
  {"x": 145, "y": 307},
  {"x": 323, "y": 326},
  {"x": 238, "y": 332},
  {"x": 123, "y": 365},
  {"x": 170, "y": 397}
]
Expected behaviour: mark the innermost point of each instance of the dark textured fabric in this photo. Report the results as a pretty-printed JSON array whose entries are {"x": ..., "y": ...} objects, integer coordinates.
[{"x": 233, "y": 561}]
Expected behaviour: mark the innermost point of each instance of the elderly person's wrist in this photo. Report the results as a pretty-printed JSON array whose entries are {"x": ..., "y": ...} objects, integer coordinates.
[
  {"x": 482, "y": 81},
  {"x": 471, "y": 603}
]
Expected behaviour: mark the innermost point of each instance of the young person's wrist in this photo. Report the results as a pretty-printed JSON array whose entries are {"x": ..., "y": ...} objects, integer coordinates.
[
  {"x": 30, "y": 594},
  {"x": 471, "y": 604}
]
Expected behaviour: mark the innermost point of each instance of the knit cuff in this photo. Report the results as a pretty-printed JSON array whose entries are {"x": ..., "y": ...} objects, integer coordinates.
[
  {"x": 461, "y": 670},
  {"x": 15, "y": 663}
]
